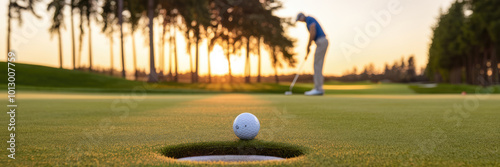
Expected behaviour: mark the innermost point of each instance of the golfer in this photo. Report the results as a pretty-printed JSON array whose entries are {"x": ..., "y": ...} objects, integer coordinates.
[{"x": 319, "y": 37}]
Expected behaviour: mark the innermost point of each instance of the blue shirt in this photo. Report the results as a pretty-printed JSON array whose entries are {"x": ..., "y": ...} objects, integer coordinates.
[{"x": 319, "y": 31}]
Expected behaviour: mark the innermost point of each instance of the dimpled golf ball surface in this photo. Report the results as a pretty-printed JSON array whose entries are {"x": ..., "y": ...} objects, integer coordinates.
[{"x": 246, "y": 126}]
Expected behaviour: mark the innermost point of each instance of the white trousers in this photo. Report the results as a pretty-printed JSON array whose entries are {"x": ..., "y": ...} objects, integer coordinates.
[{"x": 319, "y": 59}]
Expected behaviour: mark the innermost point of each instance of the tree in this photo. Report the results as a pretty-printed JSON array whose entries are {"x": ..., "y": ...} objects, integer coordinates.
[
  {"x": 387, "y": 70},
  {"x": 57, "y": 23},
  {"x": 201, "y": 16},
  {"x": 80, "y": 6},
  {"x": 224, "y": 32},
  {"x": 109, "y": 19},
  {"x": 364, "y": 75},
  {"x": 120, "y": 22},
  {"x": 271, "y": 33},
  {"x": 396, "y": 72},
  {"x": 237, "y": 24},
  {"x": 73, "y": 48},
  {"x": 486, "y": 16},
  {"x": 371, "y": 69},
  {"x": 196, "y": 17},
  {"x": 16, "y": 7},
  {"x": 259, "y": 41},
  {"x": 174, "y": 41},
  {"x": 471, "y": 47},
  {"x": 87, "y": 9},
  {"x": 410, "y": 71},
  {"x": 135, "y": 9},
  {"x": 173, "y": 15},
  {"x": 280, "y": 46},
  {"x": 153, "y": 77},
  {"x": 470, "y": 44},
  {"x": 164, "y": 23},
  {"x": 210, "y": 33},
  {"x": 281, "y": 49},
  {"x": 445, "y": 53},
  {"x": 170, "y": 75},
  {"x": 251, "y": 15}
]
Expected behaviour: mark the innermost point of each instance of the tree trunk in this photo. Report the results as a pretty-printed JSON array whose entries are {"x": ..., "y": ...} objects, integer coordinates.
[
  {"x": 153, "y": 77},
  {"x": 160, "y": 57},
  {"x": 60, "y": 48},
  {"x": 80, "y": 40},
  {"x": 197, "y": 55},
  {"x": 276, "y": 74},
  {"x": 208, "y": 56},
  {"x": 111, "y": 52},
  {"x": 485, "y": 68},
  {"x": 247, "y": 62},
  {"x": 170, "y": 55},
  {"x": 455, "y": 75},
  {"x": 275, "y": 67},
  {"x": 228, "y": 56},
  {"x": 258, "y": 53},
  {"x": 162, "y": 64},
  {"x": 134, "y": 53},
  {"x": 73, "y": 36},
  {"x": 176, "y": 78},
  {"x": 80, "y": 43},
  {"x": 494, "y": 63},
  {"x": 90, "y": 43},
  {"x": 190, "y": 59},
  {"x": 477, "y": 66},
  {"x": 468, "y": 69},
  {"x": 79, "y": 62},
  {"x": 120, "y": 21},
  {"x": 9, "y": 17}
]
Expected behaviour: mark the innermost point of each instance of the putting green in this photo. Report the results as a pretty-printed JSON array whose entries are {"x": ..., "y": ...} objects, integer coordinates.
[{"x": 60, "y": 129}]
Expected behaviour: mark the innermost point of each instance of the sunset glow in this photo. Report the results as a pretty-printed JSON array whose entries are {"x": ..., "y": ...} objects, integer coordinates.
[{"x": 408, "y": 33}]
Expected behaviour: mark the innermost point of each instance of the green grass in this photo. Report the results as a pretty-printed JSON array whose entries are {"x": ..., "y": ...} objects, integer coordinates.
[
  {"x": 359, "y": 88},
  {"x": 42, "y": 78},
  {"x": 349, "y": 83},
  {"x": 61, "y": 129},
  {"x": 454, "y": 89}
]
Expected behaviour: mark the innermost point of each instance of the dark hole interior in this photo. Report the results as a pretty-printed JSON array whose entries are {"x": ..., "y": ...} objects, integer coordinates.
[{"x": 240, "y": 147}]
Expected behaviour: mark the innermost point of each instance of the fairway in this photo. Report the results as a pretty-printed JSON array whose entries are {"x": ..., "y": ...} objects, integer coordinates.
[{"x": 60, "y": 129}]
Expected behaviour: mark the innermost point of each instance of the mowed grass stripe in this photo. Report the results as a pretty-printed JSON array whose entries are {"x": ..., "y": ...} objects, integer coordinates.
[
  {"x": 386, "y": 129},
  {"x": 378, "y": 130}
]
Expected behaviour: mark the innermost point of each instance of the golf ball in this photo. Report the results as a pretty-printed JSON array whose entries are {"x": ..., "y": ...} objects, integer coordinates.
[{"x": 246, "y": 126}]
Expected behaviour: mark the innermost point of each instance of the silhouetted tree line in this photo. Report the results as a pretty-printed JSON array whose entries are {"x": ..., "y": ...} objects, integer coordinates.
[
  {"x": 234, "y": 25},
  {"x": 465, "y": 43},
  {"x": 400, "y": 71}
]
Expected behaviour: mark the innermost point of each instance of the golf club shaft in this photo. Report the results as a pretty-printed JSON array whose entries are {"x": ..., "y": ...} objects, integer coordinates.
[
  {"x": 298, "y": 73},
  {"x": 294, "y": 80}
]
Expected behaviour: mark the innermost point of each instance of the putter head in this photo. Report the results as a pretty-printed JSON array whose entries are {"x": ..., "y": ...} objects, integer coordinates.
[{"x": 288, "y": 93}]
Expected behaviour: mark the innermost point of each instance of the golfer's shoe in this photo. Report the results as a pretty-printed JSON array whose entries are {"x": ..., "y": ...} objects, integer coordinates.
[{"x": 314, "y": 92}]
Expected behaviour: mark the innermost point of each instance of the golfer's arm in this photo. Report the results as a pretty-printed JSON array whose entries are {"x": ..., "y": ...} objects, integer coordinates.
[{"x": 312, "y": 34}]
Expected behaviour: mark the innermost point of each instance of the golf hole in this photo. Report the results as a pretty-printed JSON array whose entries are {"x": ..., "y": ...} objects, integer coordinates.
[{"x": 232, "y": 151}]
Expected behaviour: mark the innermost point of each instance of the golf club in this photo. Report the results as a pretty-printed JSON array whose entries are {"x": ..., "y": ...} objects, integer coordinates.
[{"x": 289, "y": 92}]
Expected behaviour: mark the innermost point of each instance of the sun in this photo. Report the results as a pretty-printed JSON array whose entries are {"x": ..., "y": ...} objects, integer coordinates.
[{"x": 218, "y": 61}]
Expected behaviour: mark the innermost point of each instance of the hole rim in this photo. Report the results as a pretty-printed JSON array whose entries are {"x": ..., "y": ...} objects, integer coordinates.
[{"x": 239, "y": 147}]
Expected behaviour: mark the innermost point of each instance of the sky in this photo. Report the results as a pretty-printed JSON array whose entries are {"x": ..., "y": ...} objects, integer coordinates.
[{"x": 359, "y": 32}]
